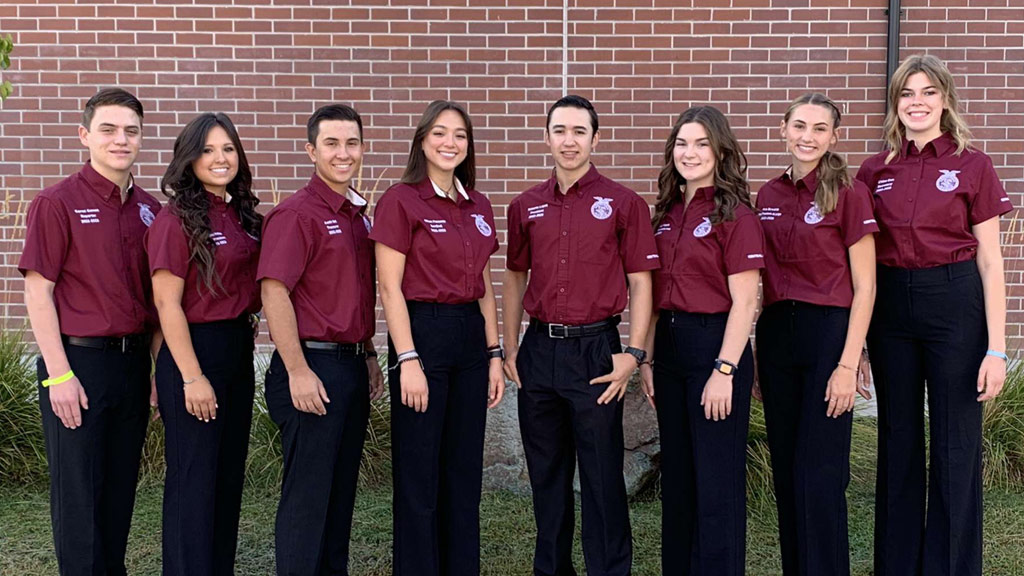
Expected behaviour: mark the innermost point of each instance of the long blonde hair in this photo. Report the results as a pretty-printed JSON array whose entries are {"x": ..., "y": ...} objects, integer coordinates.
[
  {"x": 831, "y": 171},
  {"x": 951, "y": 122}
]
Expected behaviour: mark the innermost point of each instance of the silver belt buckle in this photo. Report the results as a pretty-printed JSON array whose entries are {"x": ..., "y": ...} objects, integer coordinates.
[
  {"x": 551, "y": 333},
  {"x": 124, "y": 344},
  {"x": 360, "y": 348}
]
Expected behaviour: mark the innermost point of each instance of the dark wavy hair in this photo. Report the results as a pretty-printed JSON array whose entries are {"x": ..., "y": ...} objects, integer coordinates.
[
  {"x": 188, "y": 199},
  {"x": 731, "y": 188},
  {"x": 416, "y": 166}
]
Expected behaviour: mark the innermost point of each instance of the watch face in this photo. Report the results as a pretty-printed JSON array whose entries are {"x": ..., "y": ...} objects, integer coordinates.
[{"x": 723, "y": 368}]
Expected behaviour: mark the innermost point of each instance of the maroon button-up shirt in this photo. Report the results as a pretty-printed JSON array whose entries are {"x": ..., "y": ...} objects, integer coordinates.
[
  {"x": 807, "y": 258},
  {"x": 698, "y": 258},
  {"x": 447, "y": 244},
  {"x": 81, "y": 237},
  {"x": 927, "y": 200},
  {"x": 316, "y": 242},
  {"x": 578, "y": 247},
  {"x": 235, "y": 257}
]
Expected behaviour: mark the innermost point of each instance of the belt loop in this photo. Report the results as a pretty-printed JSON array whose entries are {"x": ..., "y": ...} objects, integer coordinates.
[
  {"x": 949, "y": 272},
  {"x": 124, "y": 344},
  {"x": 704, "y": 320}
]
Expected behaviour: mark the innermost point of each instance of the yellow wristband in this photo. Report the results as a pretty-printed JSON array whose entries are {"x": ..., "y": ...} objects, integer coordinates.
[{"x": 59, "y": 379}]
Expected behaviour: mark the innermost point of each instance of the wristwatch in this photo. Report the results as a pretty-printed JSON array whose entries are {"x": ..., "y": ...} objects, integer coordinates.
[
  {"x": 637, "y": 353},
  {"x": 725, "y": 367},
  {"x": 495, "y": 352}
]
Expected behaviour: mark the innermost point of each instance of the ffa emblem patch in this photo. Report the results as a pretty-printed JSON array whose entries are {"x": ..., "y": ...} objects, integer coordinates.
[
  {"x": 366, "y": 222},
  {"x": 813, "y": 215},
  {"x": 146, "y": 215},
  {"x": 702, "y": 229},
  {"x": 602, "y": 208},
  {"x": 948, "y": 181},
  {"x": 482, "y": 225}
]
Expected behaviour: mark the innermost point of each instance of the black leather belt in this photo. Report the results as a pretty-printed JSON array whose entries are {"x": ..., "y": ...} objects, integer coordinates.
[
  {"x": 356, "y": 349},
  {"x": 565, "y": 331},
  {"x": 122, "y": 343}
]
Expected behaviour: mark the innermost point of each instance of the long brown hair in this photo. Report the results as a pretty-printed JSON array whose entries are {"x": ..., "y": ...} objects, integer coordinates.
[
  {"x": 187, "y": 197},
  {"x": 951, "y": 122},
  {"x": 731, "y": 188},
  {"x": 831, "y": 171},
  {"x": 416, "y": 166}
]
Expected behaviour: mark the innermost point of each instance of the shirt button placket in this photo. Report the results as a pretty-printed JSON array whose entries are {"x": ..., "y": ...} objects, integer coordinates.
[{"x": 562, "y": 275}]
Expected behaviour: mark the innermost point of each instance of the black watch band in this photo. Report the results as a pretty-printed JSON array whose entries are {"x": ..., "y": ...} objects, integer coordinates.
[
  {"x": 637, "y": 353},
  {"x": 496, "y": 352},
  {"x": 725, "y": 367}
]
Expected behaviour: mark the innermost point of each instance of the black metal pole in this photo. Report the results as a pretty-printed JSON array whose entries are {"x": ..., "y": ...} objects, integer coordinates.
[{"x": 892, "y": 57}]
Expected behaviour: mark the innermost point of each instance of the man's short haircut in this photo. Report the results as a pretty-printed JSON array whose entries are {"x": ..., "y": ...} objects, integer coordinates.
[
  {"x": 110, "y": 97},
  {"x": 331, "y": 112},
  {"x": 574, "y": 101}
]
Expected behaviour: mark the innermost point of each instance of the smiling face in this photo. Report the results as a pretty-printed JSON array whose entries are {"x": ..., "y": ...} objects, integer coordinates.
[
  {"x": 808, "y": 134},
  {"x": 218, "y": 164},
  {"x": 694, "y": 157},
  {"x": 446, "y": 143},
  {"x": 920, "y": 108},
  {"x": 113, "y": 140},
  {"x": 338, "y": 153},
  {"x": 571, "y": 138}
]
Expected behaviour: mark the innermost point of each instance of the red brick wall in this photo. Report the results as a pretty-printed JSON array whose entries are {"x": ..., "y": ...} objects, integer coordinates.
[{"x": 269, "y": 63}]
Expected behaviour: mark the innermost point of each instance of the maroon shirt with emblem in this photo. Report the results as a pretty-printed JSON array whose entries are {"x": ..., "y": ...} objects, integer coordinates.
[
  {"x": 927, "y": 200},
  {"x": 235, "y": 257},
  {"x": 697, "y": 258},
  {"x": 446, "y": 244},
  {"x": 578, "y": 247},
  {"x": 90, "y": 245},
  {"x": 807, "y": 257},
  {"x": 317, "y": 244}
]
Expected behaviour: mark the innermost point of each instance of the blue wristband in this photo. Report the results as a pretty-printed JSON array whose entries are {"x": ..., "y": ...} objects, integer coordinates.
[{"x": 997, "y": 354}]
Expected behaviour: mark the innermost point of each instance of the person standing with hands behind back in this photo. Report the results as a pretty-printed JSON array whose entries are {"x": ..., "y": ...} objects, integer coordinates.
[
  {"x": 939, "y": 323},
  {"x": 586, "y": 245},
  {"x": 434, "y": 238}
]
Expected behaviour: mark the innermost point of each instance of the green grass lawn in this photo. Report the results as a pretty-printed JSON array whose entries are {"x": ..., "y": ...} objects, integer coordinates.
[{"x": 26, "y": 547}]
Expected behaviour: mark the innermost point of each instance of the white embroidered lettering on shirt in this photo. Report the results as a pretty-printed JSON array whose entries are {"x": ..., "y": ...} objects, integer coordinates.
[
  {"x": 754, "y": 256},
  {"x": 535, "y": 211},
  {"x": 1004, "y": 199},
  {"x": 884, "y": 184},
  {"x": 436, "y": 225},
  {"x": 332, "y": 226},
  {"x": 89, "y": 215},
  {"x": 769, "y": 213},
  {"x": 218, "y": 238},
  {"x": 652, "y": 256},
  {"x": 870, "y": 221},
  {"x": 662, "y": 228}
]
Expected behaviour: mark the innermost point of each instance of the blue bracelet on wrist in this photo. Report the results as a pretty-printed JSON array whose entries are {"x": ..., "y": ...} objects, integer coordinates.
[{"x": 997, "y": 354}]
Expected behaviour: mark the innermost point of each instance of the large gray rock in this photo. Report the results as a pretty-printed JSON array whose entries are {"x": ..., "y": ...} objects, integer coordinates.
[{"x": 505, "y": 462}]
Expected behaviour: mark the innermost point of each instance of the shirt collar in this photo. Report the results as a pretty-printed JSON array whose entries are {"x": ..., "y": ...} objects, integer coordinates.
[
  {"x": 809, "y": 182},
  {"x": 216, "y": 202},
  {"x": 103, "y": 187},
  {"x": 428, "y": 189},
  {"x": 940, "y": 146},
  {"x": 336, "y": 202},
  {"x": 587, "y": 179}
]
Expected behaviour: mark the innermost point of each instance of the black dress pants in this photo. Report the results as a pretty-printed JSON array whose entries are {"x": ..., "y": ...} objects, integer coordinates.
[
  {"x": 206, "y": 460},
  {"x": 321, "y": 463},
  {"x": 798, "y": 347},
  {"x": 437, "y": 455},
  {"x": 929, "y": 332},
  {"x": 561, "y": 422},
  {"x": 703, "y": 462},
  {"x": 95, "y": 467}
]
